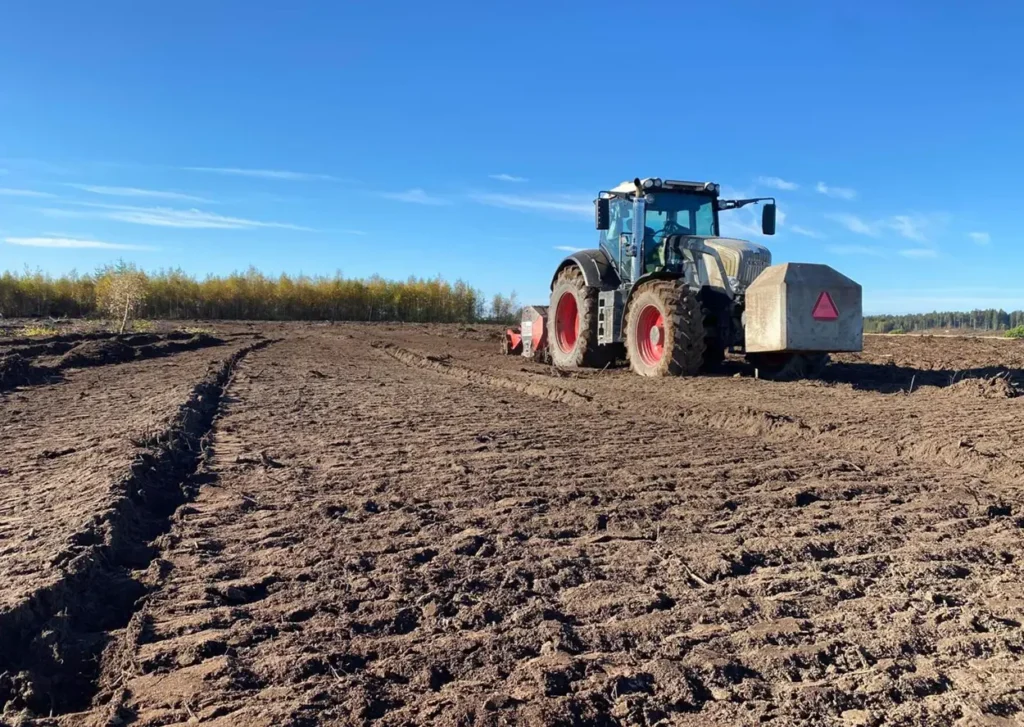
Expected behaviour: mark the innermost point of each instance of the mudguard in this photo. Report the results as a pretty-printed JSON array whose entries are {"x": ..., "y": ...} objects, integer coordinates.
[{"x": 598, "y": 272}]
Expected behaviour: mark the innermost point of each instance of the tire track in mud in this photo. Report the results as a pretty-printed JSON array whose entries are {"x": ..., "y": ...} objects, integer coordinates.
[
  {"x": 53, "y": 639},
  {"x": 742, "y": 419},
  {"x": 551, "y": 393}
]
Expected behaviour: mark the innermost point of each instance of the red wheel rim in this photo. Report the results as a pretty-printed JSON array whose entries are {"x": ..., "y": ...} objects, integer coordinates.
[
  {"x": 567, "y": 322},
  {"x": 650, "y": 335}
]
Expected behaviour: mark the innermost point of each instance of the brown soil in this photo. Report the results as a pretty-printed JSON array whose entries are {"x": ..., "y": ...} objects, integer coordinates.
[
  {"x": 395, "y": 524},
  {"x": 45, "y": 360},
  {"x": 97, "y": 353},
  {"x": 14, "y": 370},
  {"x": 994, "y": 387}
]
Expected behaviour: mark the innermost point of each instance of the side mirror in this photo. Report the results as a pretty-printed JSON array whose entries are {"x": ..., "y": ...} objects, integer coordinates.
[
  {"x": 601, "y": 217},
  {"x": 768, "y": 219}
]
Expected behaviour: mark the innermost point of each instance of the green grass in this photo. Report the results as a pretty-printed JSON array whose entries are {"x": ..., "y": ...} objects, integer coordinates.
[
  {"x": 1015, "y": 332},
  {"x": 38, "y": 331}
]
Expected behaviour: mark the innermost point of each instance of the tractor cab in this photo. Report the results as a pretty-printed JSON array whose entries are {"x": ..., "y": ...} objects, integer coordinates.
[{"x": 679, "y": 223}]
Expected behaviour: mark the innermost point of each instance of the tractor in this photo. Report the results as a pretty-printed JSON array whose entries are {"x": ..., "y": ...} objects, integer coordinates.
[{"x": 665, "y": 289}]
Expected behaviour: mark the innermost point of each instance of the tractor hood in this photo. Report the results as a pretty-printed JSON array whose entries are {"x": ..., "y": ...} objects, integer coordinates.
[{"x": 742, "y": 260}]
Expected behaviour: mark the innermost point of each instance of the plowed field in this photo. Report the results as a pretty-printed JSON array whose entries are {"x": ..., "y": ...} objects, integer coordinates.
[{"x": 396, "y": 525}]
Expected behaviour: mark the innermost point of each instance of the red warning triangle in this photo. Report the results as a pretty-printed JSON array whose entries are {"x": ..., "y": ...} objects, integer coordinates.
[{"x": 825, "y": 309}]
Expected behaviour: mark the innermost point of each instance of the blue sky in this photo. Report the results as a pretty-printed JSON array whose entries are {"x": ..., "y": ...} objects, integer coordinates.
[{"x": 468, "y": 139}]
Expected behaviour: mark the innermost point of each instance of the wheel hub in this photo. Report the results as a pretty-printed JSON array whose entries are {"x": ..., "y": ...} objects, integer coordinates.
[
  {"x": 650, "y": 335},
  {"x": 567, "y": 322}
]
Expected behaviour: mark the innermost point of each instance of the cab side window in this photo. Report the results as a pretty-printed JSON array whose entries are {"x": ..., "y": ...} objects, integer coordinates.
[{"x": 620, "y": 221}]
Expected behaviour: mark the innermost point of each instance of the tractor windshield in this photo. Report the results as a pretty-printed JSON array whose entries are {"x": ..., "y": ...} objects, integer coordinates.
[{"x": 675, "y": 213}]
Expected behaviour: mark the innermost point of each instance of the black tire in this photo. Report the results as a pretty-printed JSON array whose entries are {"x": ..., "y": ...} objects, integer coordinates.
[
  {"x": 715, "y": 307},
  {"x": 579, "y": 350},
  {"x": 714, "y": 348},
  {"x": 682, "y": 348}
]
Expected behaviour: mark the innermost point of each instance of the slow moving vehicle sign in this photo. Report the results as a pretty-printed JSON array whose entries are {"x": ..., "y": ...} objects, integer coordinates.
[{"x": 825, "y": 309}]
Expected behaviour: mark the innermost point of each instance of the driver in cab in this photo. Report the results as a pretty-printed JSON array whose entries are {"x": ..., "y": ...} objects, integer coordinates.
[{"x": 658, "y": 226}]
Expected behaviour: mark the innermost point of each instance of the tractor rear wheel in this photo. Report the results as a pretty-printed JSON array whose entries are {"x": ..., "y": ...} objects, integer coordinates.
[
  {"x": 665, "y": 330},
  {"x": 572, "y": 322}
]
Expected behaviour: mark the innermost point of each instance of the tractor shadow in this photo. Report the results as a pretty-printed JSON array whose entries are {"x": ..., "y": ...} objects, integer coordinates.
[
  {"x": 885, "y": 378},
  {"x": 894, "y": 379},
  {"x": 880, "y": 378}
]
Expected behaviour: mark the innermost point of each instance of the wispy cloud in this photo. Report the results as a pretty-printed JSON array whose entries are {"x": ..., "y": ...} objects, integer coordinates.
[
  {"x": 777, "y": 183},
  {"x": 280, "y": 174},
  {"x": 735, "y": 227},
  {"x": 34, "y": 165},
  {"x": 920, "y": 253},
  {"x": 71, "y": 243},
  {"x": 911, "y": 228},
  {"x": 855, "y": 250},
  {"x": 980, "y": 238},
  {"x": 137, "y": 192},
  {"x": 167, "y": 217},
  {"x": 415, "y": 196},
  {"x": 855, "y": 224},
  {"x": 837, "y": 192},
  {"x": 569, "y": 248},
  {"x": 538, "y": 203},
  {"x": 508, "y": 178},
  {"x": 8, "y": 192},
  {"x": 916, "y": 227},
  {"x": 806, "y": 232}
]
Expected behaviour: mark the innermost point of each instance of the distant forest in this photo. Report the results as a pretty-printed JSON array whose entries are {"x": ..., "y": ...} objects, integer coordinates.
[
  {"x": 977, "y": 320},
  {"x": 255, "y": 296},
  {"x": 251, "y": 295}
]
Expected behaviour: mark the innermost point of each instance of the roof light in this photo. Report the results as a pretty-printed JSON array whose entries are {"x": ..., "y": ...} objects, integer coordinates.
[{"x": 648, "y": 183}]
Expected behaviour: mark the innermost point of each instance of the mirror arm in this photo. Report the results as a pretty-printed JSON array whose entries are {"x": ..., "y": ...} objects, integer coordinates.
[{"x": 733, "y": 204}]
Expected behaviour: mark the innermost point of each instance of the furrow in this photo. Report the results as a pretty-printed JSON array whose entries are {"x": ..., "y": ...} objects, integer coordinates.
[{"x": 52, "y": 640}]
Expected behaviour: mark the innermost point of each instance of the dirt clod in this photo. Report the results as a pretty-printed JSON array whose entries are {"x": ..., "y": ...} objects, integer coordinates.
[
  {"x": 97, "y": 353},
  {"x": 994, "y": 387}
]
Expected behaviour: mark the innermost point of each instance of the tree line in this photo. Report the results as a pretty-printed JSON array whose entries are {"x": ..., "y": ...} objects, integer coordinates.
[
  {"x": 251, "y": 295},
  {"x": 991, "y": 319}
]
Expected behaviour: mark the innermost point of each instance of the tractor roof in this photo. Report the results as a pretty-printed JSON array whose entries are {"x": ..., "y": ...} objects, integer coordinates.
[{"x": 654, "y": 183}]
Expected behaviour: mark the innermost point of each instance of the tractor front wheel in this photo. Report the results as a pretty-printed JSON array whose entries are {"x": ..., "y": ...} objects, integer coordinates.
[
  {"x": 572, "y": 321},
  {"x": 665, "y": 330},
  {"x": 714, "y": 308}
]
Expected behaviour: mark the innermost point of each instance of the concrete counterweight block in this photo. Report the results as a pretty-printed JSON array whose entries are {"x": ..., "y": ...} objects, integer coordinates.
[{"x": 803, "y": 307}]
